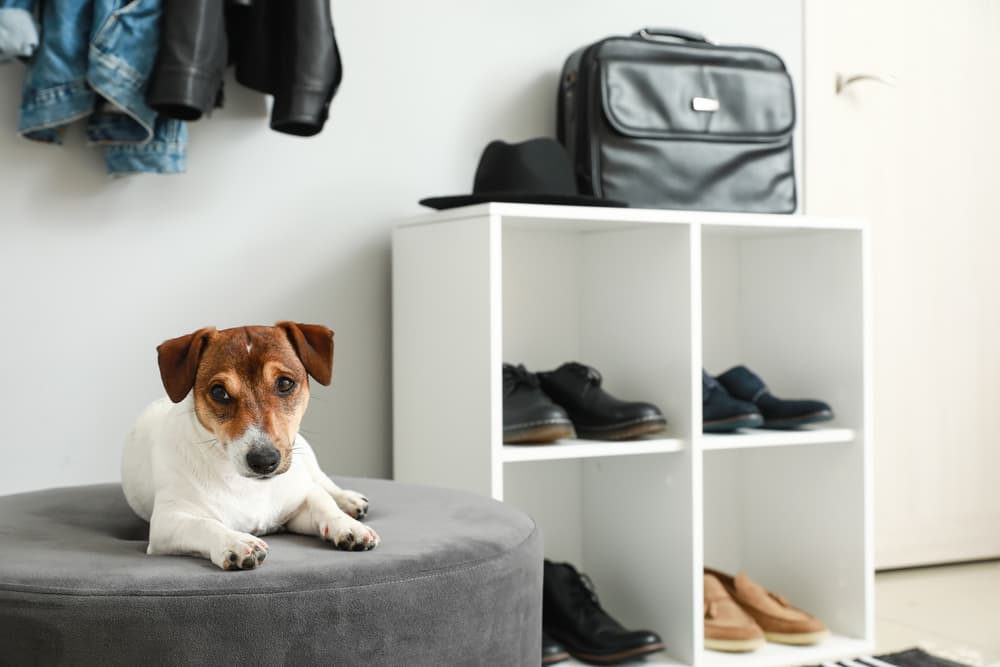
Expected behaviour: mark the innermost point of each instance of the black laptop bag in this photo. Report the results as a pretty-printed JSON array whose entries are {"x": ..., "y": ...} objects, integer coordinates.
[{"x": 666, "y": 119}]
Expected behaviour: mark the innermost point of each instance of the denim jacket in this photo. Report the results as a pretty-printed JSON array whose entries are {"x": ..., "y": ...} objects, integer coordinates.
[{"x": 93, "y": 61}]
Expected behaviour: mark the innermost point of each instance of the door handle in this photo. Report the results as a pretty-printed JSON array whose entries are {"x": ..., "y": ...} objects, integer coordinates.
[{"x": 843, "y": 81}]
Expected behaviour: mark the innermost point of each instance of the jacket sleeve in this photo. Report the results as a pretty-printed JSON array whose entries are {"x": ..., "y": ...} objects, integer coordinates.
[
  {"x": 311, "y": 66},
  {"x": 289, "y": 50},
  {"x": 191, "y": 61},
  {"x": 18, "y": 31}
]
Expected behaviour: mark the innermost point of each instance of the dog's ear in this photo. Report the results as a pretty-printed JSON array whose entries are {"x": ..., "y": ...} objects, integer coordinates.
[
  {"x": 178, "y": 359},
  {"x": 314, "y": 345}
]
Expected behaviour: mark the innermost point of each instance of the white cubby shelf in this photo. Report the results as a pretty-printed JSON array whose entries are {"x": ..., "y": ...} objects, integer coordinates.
[
  {"x": 583, "y": 449},
  {"x": 649, "y": 298},
  {"x": 748, "y": 438}
]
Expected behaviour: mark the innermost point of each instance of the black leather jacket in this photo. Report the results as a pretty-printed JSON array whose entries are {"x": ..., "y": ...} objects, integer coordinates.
[{"x": 285, "y": 48}]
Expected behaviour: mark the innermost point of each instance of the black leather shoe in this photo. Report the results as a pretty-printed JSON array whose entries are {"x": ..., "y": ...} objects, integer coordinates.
[
  {"x": 721, "y": 413},
  {"x": 552, "y": 651},
  {"x": 572, "y": 615},
  {"x": 528, "y": 414},
  {"x": 596, "y": 414},
  {"x": 779, "y": 413}
]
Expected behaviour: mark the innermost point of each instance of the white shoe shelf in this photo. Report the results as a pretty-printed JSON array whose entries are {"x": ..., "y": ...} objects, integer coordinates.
[{"x": 650, "y": 297}]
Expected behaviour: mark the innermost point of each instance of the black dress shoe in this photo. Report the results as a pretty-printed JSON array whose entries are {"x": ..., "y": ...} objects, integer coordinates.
[
  {"x": 572, "y": 615},
  {"x": 552, "y": 651},
  {"x": 529, "y": 416},
  {"x": 742, "y": 383},
  {"x": 596, "y": 414},
  {"x": 721, "y": 413}
]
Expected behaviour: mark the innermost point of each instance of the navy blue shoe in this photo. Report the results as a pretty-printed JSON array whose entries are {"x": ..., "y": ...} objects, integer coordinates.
[
  {"x": 721, "y": 413},
  {"x": 778, "y": 413}
]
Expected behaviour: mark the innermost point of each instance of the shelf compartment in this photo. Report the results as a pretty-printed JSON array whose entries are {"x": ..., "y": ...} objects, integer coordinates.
[
  {"x": 614, "y": 298},
  {"x": 836, "y": 647},
  {"x": 583, "y": 449},
  {"x": 789, "y": 517},
  {"x": 750, "y": 438},
  {"x": 625, "y": 521},
  {"x": 789, "y": 304}
]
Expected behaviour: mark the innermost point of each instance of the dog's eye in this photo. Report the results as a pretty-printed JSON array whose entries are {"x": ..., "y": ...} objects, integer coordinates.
[
  {"x": 219, "y": 394},
  {"x": 284, "y": 385}
]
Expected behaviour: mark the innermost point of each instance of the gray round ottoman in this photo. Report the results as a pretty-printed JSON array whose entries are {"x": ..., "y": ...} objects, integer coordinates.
[{"x": 456, "y": 581}]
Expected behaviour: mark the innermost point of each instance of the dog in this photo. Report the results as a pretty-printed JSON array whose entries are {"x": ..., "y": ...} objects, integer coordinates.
[{"x": 220, "y": 460}]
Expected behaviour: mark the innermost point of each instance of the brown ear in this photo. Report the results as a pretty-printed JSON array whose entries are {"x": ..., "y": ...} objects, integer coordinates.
[
  {"x": 314, "y": 345},
  {"x": 178, "y": 359}
]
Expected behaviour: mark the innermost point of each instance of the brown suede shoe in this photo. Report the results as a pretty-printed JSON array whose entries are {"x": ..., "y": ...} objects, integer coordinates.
[
  {"x": 727, "y": 626},
  {"x": 781, "y": 622}
]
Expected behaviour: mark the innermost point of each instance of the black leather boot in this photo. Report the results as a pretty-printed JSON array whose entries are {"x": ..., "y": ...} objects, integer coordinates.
[
  {"x": 529, "y": 417},
  {"x": 552, "y": 651},
  {"x": 572, "y": 615},
  {"x": 596, "y": 414}
]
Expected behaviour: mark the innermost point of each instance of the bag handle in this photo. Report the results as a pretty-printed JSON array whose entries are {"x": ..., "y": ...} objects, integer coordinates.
[{"x": 659, "y": 34}]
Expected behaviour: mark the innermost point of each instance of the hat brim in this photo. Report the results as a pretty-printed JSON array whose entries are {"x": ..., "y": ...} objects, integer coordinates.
[{"x": 441, "y": 203}]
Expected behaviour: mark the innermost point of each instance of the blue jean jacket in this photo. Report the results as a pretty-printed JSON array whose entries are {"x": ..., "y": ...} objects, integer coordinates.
[{"x": 93, "y": 61}]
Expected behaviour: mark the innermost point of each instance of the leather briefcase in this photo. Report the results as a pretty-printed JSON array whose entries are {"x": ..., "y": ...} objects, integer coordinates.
[{"x": 665, "y": 119}]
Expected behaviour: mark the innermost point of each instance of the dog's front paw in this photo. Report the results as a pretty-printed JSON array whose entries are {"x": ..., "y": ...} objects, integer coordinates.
[
  {"x": 244, "y": 552},
  {"x": 353, "y": 503},
  {"x": 349, "y": 534}
]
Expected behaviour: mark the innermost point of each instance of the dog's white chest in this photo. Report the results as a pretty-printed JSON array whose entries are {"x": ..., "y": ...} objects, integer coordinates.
[{"x": 260, "y": 507}]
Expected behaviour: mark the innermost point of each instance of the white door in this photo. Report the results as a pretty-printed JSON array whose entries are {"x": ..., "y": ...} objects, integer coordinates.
[{"x": 920, "y": 161}]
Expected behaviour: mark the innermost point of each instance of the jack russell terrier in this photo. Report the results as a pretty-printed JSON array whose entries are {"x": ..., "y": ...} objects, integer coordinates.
[{"x": 222, "y": 461}]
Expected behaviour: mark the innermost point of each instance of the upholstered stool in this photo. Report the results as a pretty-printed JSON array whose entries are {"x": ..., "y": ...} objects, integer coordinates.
[{"x": 456, "y": 581}]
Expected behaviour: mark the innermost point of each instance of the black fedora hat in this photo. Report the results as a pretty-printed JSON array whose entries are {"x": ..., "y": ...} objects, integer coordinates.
[{"x": 537, "y": 171}]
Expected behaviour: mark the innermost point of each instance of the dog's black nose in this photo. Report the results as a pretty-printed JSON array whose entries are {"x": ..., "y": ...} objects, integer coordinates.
[{"x": 263, "y": 460}]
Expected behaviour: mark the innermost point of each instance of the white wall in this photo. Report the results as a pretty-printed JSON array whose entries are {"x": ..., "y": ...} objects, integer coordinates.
[{"x": 94, "y": 273}]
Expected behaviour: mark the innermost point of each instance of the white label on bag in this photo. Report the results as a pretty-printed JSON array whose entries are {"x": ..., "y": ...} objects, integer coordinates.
[{"x": 704, "y": 104}]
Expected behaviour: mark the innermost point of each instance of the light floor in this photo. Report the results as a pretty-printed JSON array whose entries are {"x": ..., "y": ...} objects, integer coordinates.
[{"x": 951, "y": 610}]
